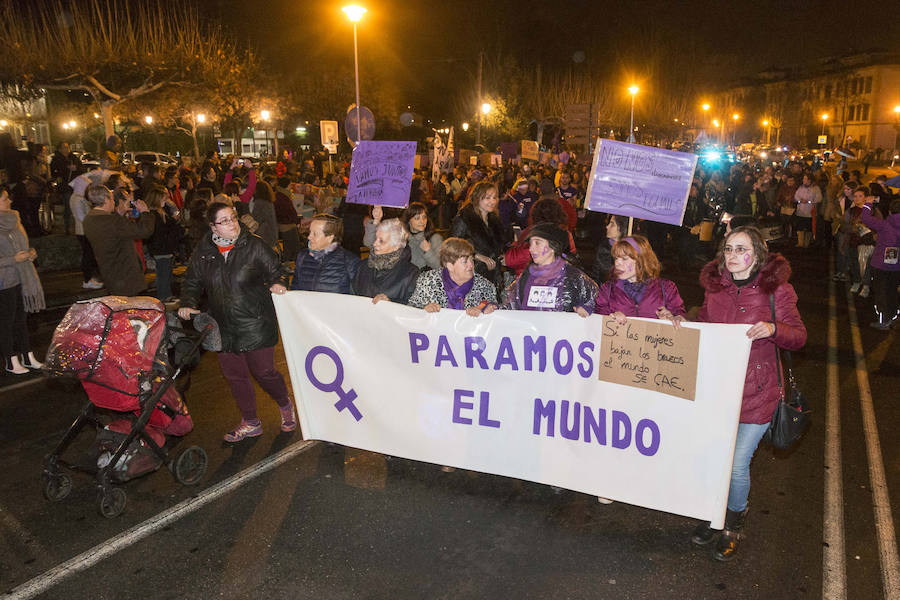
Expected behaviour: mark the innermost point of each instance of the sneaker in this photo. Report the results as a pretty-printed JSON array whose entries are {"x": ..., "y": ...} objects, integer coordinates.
[
  {"x": 854, "y": 288},
  {"x": 880, "y": 326},
  {"x": 92, "y": 284},
  {"x": 840, "y": 277},
  {"x": 288, "y": 421},
  {"x": 864, "y": 292},
  {"x": 244, "y": 430},
  {"x": 603, "y": 500}
]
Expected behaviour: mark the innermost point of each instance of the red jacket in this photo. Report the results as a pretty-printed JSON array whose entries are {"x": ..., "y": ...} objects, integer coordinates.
[
  {"x": 726, "y": 303},
  {"x": 658, "y": 292}
]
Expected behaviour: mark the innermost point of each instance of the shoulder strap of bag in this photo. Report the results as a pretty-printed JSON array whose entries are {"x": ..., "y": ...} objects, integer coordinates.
[{"x": 777, "y": 350}]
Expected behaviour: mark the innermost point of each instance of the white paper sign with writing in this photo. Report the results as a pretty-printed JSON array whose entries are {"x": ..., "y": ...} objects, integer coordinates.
[{"x": 514, "y": 393}]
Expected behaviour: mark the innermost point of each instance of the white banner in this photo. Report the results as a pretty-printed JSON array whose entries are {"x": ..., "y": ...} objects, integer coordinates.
[{"x": 516, "y": 394}]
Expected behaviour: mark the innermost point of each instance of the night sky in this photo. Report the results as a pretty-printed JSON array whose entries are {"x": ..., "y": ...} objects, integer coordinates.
[{"x": 430, "y": 48}]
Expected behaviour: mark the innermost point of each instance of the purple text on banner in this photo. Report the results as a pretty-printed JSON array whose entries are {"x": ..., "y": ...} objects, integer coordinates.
[
  {"x": 381, "y": 173},
  {"x": 640, "y": 181}
]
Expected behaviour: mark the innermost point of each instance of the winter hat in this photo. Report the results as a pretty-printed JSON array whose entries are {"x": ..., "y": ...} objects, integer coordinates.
[{"x": 557, "y": 237}]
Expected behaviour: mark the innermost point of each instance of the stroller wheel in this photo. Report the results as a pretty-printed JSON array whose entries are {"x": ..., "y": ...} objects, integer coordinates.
[
  {"x": 190, "y": 466},
  {"x": 111, "y": 502},
  {"x": 57, "y": 486}
]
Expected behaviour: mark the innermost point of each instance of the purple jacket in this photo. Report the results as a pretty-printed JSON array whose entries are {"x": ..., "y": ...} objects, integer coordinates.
[
  {"x": 658, "y": 292},
  {"x": 726, "y": 303},
  {"x": 888, "y": 242}
]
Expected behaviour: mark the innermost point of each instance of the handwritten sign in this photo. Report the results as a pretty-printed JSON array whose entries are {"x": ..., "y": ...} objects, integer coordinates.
[
  {"x": 640, "y": 181},
  {"x": 530, "y": 150},
  {"x": 381, "y": 173},
  {"x": 650, "y": 355}
]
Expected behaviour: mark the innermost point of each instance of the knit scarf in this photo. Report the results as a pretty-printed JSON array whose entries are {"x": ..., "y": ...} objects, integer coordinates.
[
  {"x": 224, "y": 245},
  {"x": 32, "y": 292},
  {"x": 318, "y": 255},
  {"x": 384, "y": 262},
  {"x": 546, "y": 274},
  {"x": 456, "y": 292}
]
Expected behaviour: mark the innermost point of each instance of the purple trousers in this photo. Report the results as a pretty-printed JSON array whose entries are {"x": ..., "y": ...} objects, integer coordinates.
[{"x": 237, "y": 368}]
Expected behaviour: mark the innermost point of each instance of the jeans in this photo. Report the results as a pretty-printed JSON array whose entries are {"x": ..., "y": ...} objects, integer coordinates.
[
  {"x": 163, "y": 277},
  {"x": 237, "y": 368},
  {"x": 748, "y": 437},
  {"x": 886, "y": 297},
  {"x": 13, "y": 324}
]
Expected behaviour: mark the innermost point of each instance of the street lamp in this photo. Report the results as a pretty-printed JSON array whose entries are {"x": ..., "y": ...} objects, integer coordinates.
[
  {"x": 355, "y": 13},
  {"x": 735, "y": 116},
  {"x": 465, "y": 126},
  {"x": 765, "y": 124},
  {"x": 201, "y": 118},
  {"x": 633, "y": 90},
  {"x": 148, "y": 120},
  {"x": 486, "y": 108},
  {"x": 824, "y": 118},
  {"x": 264, "y": 116}
]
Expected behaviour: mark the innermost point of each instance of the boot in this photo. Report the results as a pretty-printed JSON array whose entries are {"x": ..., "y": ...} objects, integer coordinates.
[
  {"x": 14, "y": 366},
  {"x": 30, "y": 362},
  {"x": 727, "y": 546},
  {"x": 881, "y": 321},
  {"x": 704, "y": 534}
]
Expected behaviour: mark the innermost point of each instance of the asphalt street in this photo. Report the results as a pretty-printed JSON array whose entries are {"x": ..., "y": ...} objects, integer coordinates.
[{"x": 335, "y": 522}]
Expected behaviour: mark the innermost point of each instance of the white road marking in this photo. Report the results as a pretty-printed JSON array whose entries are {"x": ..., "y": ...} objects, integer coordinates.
[
  {"x": 45, "y": 581},
  {"x": 884, "y": 521},
  {"x": 22, "y": 384},
  {"x": 834, "y": 571}
]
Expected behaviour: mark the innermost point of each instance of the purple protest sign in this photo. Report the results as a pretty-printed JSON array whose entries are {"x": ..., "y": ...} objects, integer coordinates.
[
  {"x": 640, "y": 181},
  {"x": 381, "y": 173}
]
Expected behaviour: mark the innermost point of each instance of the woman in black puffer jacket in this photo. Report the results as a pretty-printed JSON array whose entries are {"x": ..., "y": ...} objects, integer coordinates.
[
  {"x": 325, "y": 266},
  {"x": 238, "y": 270},
  {"x": 388, "y": 273}
]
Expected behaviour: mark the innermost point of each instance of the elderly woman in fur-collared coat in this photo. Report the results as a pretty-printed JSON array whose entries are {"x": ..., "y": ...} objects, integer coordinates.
[{"x": 740, "y": 284}]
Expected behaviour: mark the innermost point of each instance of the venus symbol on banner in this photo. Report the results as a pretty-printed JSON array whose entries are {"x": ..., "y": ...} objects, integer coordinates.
[{"x": 345, "y": 398}]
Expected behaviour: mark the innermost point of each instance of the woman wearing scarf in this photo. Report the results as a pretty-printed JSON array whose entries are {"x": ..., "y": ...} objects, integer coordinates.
[
  {"x": 325, "y": 266},
  {"x": 238, "y": 270},
  {"x": 388, "y": 273},
  {"x": 550, "y": 283},
  {"x": 635, "y": 288},
  {"x": 20, "y": 290},
  {"x": 455, "y": 285}
]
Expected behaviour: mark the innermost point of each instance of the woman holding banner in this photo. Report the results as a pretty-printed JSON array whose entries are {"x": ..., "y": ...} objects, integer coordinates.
[
  {"x": 746, "y": 284},
  {"x": 456, "y": 285},
  {"x": 635, "y": 288},
  {"x": 550, "y": 283},
  {"x": 388, "y": 273}
]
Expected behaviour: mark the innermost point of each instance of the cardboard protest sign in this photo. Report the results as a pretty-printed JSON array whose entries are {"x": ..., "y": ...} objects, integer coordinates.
[
  {"x": 650, "y": 355},
  {"x": 530, "y": 150},
  {"x": 640, "y": 181},
  {"x": 381, "y": 173}
]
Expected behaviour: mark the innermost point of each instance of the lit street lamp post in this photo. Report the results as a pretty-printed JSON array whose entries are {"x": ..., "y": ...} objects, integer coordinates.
[
  {"x": 735, "y": 116},
  {"x": 633, "y": 90},
  {"x": 355, "y": 13},
  {"x": 766, "y": 125},
  {"x": 264, "y": 116}
]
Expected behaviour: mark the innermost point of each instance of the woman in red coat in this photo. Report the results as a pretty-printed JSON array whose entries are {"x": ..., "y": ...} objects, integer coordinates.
[{"x": 739, "y": 284}]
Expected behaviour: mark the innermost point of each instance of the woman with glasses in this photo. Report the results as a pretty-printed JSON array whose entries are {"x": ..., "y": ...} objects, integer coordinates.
[
  {"x": 238, "y": 270},
  {"x": 747, "y": 284}
]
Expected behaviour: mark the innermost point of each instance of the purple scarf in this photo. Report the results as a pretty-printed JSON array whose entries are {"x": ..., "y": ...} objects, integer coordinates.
[
  {"x": 634, "y": 290},
  {"x": 456, "y": 293}
]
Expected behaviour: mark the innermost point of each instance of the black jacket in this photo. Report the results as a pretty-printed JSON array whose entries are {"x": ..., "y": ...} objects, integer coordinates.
[
  {"x": 167, "y": 236},
  {"x": 334, "y": 273},
  {"x": 488, "y": 239},
  {"x": 237, "y": 290},
  {"x": 397, "y": 283}
]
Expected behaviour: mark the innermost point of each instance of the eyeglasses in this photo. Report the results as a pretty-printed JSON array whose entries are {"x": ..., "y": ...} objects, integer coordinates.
[
  {"x": 735, "y": 250},
  {"x": 226, "y": 221}
]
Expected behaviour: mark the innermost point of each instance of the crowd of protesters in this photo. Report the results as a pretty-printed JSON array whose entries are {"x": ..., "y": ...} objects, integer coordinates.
[{"x": 479, "y": 239}]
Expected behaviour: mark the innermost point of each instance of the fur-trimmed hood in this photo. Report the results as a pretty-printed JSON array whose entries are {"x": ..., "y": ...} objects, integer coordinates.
[{"x": 775, "y": 272}]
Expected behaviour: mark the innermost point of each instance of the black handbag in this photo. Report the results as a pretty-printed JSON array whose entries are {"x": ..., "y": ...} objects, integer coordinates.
[{"x": 791, "y": 417}]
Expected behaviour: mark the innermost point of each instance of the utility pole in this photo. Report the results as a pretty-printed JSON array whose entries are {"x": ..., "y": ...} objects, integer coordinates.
[{"x": 478, "y": 107}]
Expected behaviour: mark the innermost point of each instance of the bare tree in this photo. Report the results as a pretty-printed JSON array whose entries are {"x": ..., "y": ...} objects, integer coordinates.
[{"x": 115, "y": 51}]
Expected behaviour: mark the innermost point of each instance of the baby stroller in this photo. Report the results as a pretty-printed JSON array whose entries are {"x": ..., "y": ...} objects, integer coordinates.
[{"x": 120, "y": 348}]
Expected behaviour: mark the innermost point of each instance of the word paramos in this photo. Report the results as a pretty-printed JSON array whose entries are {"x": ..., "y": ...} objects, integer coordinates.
[{"x": 528, "y": 354}]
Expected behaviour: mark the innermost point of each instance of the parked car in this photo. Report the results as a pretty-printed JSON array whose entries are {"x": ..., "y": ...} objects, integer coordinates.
[
  {"x": 148, "y": 156},
  {"x": 88, "y": 160}
]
